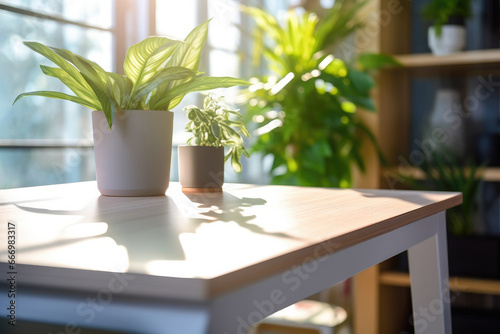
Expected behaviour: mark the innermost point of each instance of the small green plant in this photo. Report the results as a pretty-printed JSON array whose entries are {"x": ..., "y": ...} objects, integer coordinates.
[
  {"x": 440, "y": 11},
  {"x": 442, "y": 172},
  {"x": 158, "y": 73},
  {"x": 212, "y": 126}
]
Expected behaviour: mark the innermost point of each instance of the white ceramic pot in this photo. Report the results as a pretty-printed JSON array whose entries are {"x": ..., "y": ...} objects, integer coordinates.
[
  {"x": 452, "y": 39},
  {"x": 201, "y": 168},
  {"x": 133, "y": 158}
]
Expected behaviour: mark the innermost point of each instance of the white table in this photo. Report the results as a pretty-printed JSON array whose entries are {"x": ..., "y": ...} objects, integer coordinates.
[{"x": 211, "y": 263}]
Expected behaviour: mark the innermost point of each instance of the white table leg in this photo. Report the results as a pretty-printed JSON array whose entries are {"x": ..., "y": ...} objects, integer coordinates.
[
  {"x": 430, "y": 282},
  {"x": 237, "y": 311}
]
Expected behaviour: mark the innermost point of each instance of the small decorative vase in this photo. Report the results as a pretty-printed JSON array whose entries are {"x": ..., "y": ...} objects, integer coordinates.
[
  {"x": 201, "y": 168},
  {"x": 444, "y": 120},
  {"x": 133, "y": 158},
  {"x": 452, "y": 39}
]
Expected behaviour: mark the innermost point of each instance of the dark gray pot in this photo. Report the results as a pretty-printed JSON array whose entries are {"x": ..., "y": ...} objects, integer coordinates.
[{"x": 201, "y": 167}]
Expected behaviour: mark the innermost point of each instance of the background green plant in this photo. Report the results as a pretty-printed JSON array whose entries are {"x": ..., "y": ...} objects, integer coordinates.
[
  {"x": 314, "y": 133},
  {"x": 443, "y": 172},
  {"x": 212, "y": 126},
  {"x": 439, "y": 11},
  {"x": 159, "y": 72}
]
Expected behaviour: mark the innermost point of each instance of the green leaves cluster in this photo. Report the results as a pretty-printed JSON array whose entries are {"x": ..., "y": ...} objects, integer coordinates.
[
  {"x": 310, "y": 126},
  {"x": 158, "y": 73},
  {"x": 296, "y": 45},
  {"x": 443, "y": 172},
  {"x": 439, "y": 11},
  {"x": 212, "y": 126}
]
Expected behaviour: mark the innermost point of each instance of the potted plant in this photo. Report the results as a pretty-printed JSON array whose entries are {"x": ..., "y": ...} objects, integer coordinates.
[
  {"x": 306, "y": 106},
  {"x": 132, "y": 119},
  {"x": 447, "y": 34},
  {"x": 201, "y": 162}
]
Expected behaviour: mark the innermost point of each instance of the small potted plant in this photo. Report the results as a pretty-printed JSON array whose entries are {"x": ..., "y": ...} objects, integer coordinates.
[
  {"x": 201, "y": 162},
  {"x": 447, "y": 34},
  {"x": 132, "y": 119}
]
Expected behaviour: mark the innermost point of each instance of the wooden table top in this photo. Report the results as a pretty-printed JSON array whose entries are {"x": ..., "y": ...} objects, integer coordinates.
[{"x": 193, "y": 246}]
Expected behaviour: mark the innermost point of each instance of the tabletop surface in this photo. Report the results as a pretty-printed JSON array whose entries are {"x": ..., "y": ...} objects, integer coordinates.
[{"x": 194, "y": 246}]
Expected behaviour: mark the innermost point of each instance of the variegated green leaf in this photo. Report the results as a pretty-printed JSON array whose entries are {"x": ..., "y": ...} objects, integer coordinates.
[
  {"x": 187, "y": 55},
  {"x": 122, "y": 89},
  {"x": 89, "y": 70},
  {"x": 175, "y": 101},
  {"x": 94, "y": 75},
  {"x": 108, "y": 105},
  {"x": 195, "y": 85},
  {"x": 77, "y": 87},
  {"x": 58, "y": 60},
  {"x": 164, "y": 77},
  {"x": 144, "y": 58},
  {"x": 245, "y": 151},
  {"x": 235, "y": 159},
  {"x": 58, "y": 95}
]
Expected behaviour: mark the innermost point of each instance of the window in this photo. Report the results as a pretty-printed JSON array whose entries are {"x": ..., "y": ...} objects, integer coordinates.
[
  {"x": 223, "y": 55},
  {"x": 44, "y": 141}
]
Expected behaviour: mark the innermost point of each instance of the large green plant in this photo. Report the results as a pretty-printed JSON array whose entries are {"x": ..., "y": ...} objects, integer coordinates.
[
  {"x": 440, "y": 11},
  {"x": 212, "y": 126},
  {"x": 158, "y": 73},
  {"x": 307, "y": 108}
]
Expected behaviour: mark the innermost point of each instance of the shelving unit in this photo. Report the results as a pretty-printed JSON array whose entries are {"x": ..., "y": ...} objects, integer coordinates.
[
  {"x": 462, "y": 284},
  {"x": 465, "y": 58},
  {"x": 490, "y": 174},
  {"x": 381, "y": 294},
  {"x": 472, "y": 62}
]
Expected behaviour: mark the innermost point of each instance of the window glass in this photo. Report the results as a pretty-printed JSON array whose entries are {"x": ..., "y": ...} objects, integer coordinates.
[
  {"x": 96, "y": 13},
  {"x": 224, "y": 32},
  {"x": 175, "y": 18},
  {"x": 33, "y": 167},
  {"x": 37, "y": 118},
  {"x": 223, "y": 63},
  {"x": 40, "y": 119}
]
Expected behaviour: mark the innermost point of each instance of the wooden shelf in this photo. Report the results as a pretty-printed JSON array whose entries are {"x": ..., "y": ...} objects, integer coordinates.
[
  {"x": 490, "y": 174},
  {"x": 379, "y": 308},
  {"x": 463, "y": 284},
  {"x": 476, "y": 57}
]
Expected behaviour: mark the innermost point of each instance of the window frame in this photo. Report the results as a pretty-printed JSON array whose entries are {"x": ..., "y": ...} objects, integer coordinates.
[{"x": 133, "y": 20}]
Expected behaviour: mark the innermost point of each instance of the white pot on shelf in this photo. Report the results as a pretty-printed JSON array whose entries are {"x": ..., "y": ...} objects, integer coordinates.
[
  {"x": 452, "y": 39},
  {"x": 133, "y": 158}
]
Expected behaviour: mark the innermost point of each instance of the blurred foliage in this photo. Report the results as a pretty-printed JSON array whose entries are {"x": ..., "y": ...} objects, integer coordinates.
[
  {"x": 307, "y": 109},
  {"x": 443, "y": 172},
  {"x": 440, "y": 11}
]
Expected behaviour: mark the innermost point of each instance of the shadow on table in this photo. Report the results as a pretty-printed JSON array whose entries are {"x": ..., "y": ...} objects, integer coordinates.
[
  {"x": 229, "y": 208},
  {"x": 410, "y": 196},
  {"x": 137, "y": 222},
  {"x": 132, "y": 222}
]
